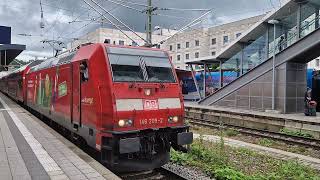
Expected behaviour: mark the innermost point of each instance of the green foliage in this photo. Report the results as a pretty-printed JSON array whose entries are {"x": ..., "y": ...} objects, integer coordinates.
[
  {"x": 265, "y": 142},
  {"x": 296, "y": 133},
  {"x": 231, "y": 132},
  {"x": 225, "y": 163},
  {"x": 179, "y": 158},
  {"x": 228, "y": 174}
]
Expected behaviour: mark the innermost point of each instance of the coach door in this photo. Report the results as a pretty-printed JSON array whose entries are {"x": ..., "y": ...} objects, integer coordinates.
[{"x": 76, "y": 96}]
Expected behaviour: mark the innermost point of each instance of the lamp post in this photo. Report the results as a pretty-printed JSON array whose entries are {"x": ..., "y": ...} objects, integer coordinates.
[{"x": 274, "y": 22}]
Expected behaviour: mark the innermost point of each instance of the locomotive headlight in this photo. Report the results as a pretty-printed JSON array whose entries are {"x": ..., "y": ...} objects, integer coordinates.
[
  {"x": 129, "y": 122},
  {"x": 121, "y": 122},
  {"x": 173, "y": 119},
  {"x": 147, "y": 92},
  {"x": 125, "y": 122}
]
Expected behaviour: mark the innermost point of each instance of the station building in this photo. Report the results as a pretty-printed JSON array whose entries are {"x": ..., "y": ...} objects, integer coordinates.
[
  {"x": 8, "y": 51},
  {"x": 198, "y": 43},
  {"x": 193, "y": 44},
  {"x": 116, "y": 37}
]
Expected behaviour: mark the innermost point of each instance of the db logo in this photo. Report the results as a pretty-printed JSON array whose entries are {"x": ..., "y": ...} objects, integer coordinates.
[{"x": 150, "y": 105}]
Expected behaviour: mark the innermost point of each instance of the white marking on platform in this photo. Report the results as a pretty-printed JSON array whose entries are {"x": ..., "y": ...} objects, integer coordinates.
[{"x": 42, "y": 155}]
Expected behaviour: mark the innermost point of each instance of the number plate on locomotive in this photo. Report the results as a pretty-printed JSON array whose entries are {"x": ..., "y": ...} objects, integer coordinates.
[
  {"x": 150, "y": 105},
  {"x": 151, "y": 121}
]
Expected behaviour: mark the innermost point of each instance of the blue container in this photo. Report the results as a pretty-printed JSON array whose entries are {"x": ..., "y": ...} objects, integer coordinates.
[{"x": 309, "y": 78}]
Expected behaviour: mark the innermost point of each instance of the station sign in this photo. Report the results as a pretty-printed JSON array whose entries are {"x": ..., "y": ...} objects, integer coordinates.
[{"x": 5, "y": 35}]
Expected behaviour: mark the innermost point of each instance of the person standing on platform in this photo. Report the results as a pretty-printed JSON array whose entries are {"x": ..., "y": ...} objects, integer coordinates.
[{"x": 310, "y": 106}]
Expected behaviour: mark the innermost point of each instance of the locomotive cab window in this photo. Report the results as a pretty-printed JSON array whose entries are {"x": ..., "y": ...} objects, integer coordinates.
[
  {"x": 84, "y": 71},
  {"x": 136, "y": 65}
]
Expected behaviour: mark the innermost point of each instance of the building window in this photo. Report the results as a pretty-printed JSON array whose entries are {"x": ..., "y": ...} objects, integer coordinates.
[
  {"x": 187, "y": 56},
  {"x": 178, "y": 67},
  {"x": 187, "y": 44},
  {"x": 178, "y": 46},
  {"x": 213, "y": 41},
  {"x": 178, "y": 57},
  {"x": 317, "y": 62},
  {"x": 171, "y": 48},
  {"x": 107, "y": 41},
  {"x": 238, "y": 34},
  {"x": 225, "y": 39},
  {"x": 84, "y": 71},
  {"x": 158, "y": 46},
  {"x": 197, "y": 43},
  {"x": 121, "y": 42},
  {"x": 213, "y": 53},
  {"x": 114, "y": 42},
  {"x": 134, "y": 43},
  {"x": 196, "y": 55}
]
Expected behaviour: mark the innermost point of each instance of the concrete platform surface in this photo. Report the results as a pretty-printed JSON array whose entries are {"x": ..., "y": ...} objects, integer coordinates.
[{"x": 29, "y": 149}]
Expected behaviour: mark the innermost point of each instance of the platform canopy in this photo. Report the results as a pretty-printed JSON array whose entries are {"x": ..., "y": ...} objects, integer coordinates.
[{"x": 8, "y": 52}]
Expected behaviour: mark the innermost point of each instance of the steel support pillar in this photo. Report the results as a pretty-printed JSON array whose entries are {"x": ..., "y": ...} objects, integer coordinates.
[
  {"x": 267, "y": 44},
  {"x": 241, "y": 60},
  {"x": 221, "y": 75},
  {"x": 273, "y": 67},
  {"x": 210, "y": 75},
  {"x": 204, "y": 80},
  {"x": 317, "y": 17},
  {"x": 5, "y": 59},
  {"x": 195, "y": 81},
  {"x": 299, "y": 22}
]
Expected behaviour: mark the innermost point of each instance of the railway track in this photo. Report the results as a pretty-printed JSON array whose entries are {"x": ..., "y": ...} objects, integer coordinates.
[
  {"x": 157, "y": 174},
  {"x": 308, "y": 142}
]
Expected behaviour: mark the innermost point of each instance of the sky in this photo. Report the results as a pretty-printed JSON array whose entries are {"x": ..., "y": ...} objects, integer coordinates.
[{"x": 65, "y": 20}]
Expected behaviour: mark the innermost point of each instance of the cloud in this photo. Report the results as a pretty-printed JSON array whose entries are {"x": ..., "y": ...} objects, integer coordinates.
[{"x": 24, "y": 17}]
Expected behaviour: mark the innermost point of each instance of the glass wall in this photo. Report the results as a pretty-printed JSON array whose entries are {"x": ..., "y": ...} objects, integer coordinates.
[
  {"x": 231, "y": 69},
  {"x": 309, "y": 18},
  {"x": 255, "y": 53},
  {"x": 286, "y": 33},
  {"x": 265, "y": 45}
]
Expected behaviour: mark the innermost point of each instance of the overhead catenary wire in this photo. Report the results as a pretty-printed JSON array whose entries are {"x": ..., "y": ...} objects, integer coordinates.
[
  {"x": 179, "y": 9},
  {"x": 87, "y": 24},
  {"x": 129, "y": 7},
  {"x": 133, "y": 3},
  {"x": 187, "y": 26},
  {"x": 118, "y": 20},
  {"x": 110, "y": 21}
]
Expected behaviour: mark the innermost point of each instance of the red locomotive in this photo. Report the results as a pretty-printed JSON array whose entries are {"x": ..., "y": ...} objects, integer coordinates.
[{"x": 125, "y": 102}]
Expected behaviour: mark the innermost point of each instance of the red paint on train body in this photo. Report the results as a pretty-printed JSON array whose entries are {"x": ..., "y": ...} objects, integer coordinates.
[{"x": 125, "y": 102}]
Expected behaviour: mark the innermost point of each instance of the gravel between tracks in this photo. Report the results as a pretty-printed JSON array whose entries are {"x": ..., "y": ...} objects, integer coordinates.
[{"x": 186, "y": 172}]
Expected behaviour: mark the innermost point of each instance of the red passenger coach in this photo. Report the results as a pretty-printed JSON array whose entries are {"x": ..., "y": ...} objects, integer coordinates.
[{"x": 125, "y": 102}]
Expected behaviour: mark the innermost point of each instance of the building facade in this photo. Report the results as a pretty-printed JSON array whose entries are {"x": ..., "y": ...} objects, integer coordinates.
[
  {"x": 116, "y": 37},
  {"x": 205, "y": 42},
  {"x": 183, "y": 46},
  {"x": 315, "y": 64}
]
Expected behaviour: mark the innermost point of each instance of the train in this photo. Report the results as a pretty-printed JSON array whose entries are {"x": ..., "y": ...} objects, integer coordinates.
[{"x": 125, "y": 102}]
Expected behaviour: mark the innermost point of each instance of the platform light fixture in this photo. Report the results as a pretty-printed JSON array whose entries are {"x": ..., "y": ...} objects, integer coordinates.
[{"x": 274, "y": 22}]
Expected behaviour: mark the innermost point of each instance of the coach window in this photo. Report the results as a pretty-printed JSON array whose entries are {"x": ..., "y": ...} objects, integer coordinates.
[{"x": 84, "y": 71}]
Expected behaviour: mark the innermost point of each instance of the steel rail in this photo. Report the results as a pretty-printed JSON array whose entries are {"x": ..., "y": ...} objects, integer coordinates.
[{"x": 309, "y": 142}]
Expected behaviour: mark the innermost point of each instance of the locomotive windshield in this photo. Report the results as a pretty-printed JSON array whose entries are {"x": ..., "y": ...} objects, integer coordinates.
[{"x": 139, "y": 66}]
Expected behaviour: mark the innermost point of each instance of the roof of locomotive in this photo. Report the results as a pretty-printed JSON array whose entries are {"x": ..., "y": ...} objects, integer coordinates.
[
  {"x": 116, "y": 49},
  {"x": 22, "y": 68},
  {"x": 53, "y": 61}
]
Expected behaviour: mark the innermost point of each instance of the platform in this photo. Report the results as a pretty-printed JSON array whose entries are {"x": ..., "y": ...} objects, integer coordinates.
[
  {"x": 29, "y": 149},
  {"x": 273, "y": 122}
]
